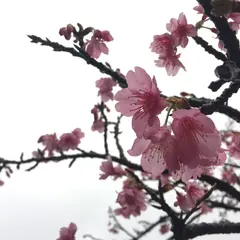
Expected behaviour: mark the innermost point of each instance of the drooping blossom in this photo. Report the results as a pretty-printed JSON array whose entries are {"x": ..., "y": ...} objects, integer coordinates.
[
  {"x": 229, "y": 175},
  {"x": 164, "y": 228},
  {"x": 109, "y": 170},
  {"x": 132, "y": 201},
  {"x": 96, "y": 45},
  {"x": 194, "y": 191},
  {"x": 68, "y": 233},
  {"x": 141, "y": 100},
  {"x": 193, "y": 148},
  {"x": 189, "y": 200},
  {"x": 181, "y": 30},
  {"x": 161, "y": 153},
  {"x": 183, "y": 202},
  {"x": 98, "y": 125},
  {"x": 197, "y": 138},
  {"x": 50, "y": 142},
  {"x": 67, "y": 31},
  {"x": 71, "y": 140},
  {"x": 172, "y": 64},
  {"x": 105, "y": 86},
  {"x": 163, "y": 45}
]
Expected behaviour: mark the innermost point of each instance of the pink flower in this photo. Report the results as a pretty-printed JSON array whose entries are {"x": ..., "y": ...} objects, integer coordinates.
[
  {"x": 160, "y": 154},
  {"x": 105, "y": 86},
  {"x": 132, "y": 202},
  {"x": 141, "y": 100},
  {"x": 50, "y": 142},
  {"x": 164, "y": 228},
  {"x": 172, "y": 64},
  {"x": 108, "y": 170},
  {"x": 199, "y": 9},
  {"x": 163, "y": 45},
  {"x": 197, "y": 138},
  {"x": 189, "y": 201},
  {"x": 98, "y": 125},
  {"x": 194, "y": 191},
  {"x": 68, "y": 233},
  {"x": 70, "y": 140},
  {"x": 183, "y": 202},
  {"x": 96, "y": 45},
  {"x": 180, "y": 30},
  {"x": 67, "y": 31},
  {"x": 229, "y": 175}
]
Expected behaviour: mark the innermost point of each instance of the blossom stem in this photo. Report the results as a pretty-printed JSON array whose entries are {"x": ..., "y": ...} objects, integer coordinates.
[{"x": 168, "y": 114}]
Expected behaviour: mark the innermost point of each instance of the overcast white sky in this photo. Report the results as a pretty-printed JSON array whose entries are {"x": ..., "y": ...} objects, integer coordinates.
[{"x": 42, "y": 91}]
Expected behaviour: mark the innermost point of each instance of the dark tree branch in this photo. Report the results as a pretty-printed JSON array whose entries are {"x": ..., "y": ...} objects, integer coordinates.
[
  {"x": 221, "y": 185},
  {"x": 105, "y": 135},
  {"x": 222, "y": 227},
  {"x": 230, "y": 112},
  {"x": 150, "y": 228},
  {"x": 82, "y": 54},
  {"x": 213, "y": 106},
  {"x": 116, "y": 136},
  {"x": 209, "y": 49},
  {"x": 214, "y": 204},
  {"x": 226, "y": 34}
]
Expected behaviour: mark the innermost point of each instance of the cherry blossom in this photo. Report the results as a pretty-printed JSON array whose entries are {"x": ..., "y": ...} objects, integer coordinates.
[
  {"x": 194, "y": 191},
  {"x": 161, "y": 153},
  {"x": 68, "y": 233},
  {"x": 109, "y": 170},
  {"x": 96, "y": 45},
  {"x": 198, "y": 140},
  {"x": 132, "y": 202},
  {"x": 50, "y": 142},
  {"x": 67, "y": 31},
  {"x": 98, "y": 125},
  {"x": 171, "y": 63},
  {"x": 70, "y": 140},
  {"x": 183, "y": 202},
  {"x": 105, "y": 86},
  {"x": 199, "y": 9},
  {"x": 141, "y": 100},
  {"x": 189, "y": 200},
  {"x": 181, "y": 30},
  {"x": 163, "y": 45}
]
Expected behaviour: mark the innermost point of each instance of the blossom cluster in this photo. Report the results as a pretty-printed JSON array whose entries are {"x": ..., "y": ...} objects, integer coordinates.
[
  {"x": 66, "y": 142},
  {"x": 187, "y": 147},
  {"x": 166, "y": 44},
  {"x": 94, "y": 46},
  {"x": 131, "y": 199}
]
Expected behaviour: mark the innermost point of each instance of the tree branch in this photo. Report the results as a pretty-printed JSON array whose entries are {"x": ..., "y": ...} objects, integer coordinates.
[
  {"x": 226, "y": 34},
  {"x": 222, "y": 227}
]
